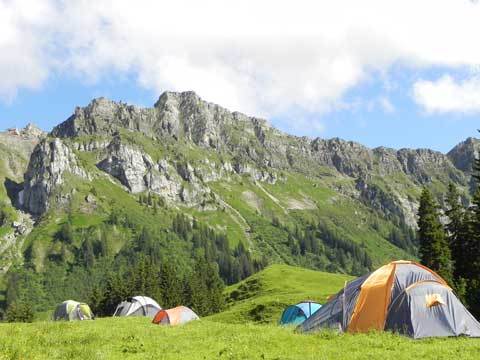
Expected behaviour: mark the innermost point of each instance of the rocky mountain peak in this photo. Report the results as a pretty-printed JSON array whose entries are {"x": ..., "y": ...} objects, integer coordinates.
[
  {"x": 101, "y": 107},
  {"x": 177, "y": 97},
  {"x": 33, "y": 131},
  {"x": 463, "y": 154}
]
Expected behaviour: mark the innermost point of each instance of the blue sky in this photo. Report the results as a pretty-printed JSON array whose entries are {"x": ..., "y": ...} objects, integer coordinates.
[{"x": 379, "y": 72}]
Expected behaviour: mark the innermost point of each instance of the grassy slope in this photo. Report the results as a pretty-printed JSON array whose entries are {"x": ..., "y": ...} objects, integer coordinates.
[
  {"x": 253, "y": 206},
  {"x": 217, "y": 337},
  {"x": 274, "y": 201},
  {"x": 349, "y": 218},
  {"x": 263, "y": 296}
]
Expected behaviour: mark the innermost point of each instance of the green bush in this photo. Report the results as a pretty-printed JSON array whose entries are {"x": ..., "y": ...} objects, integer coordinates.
[
  {"x": 19, "y": 312},
  {"x": 6, "y": 216}
]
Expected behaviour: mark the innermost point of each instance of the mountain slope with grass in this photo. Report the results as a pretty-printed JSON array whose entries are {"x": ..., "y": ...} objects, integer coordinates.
[
  {"x": 262, "y": 297},
  {"x": 187, "y": 179}
]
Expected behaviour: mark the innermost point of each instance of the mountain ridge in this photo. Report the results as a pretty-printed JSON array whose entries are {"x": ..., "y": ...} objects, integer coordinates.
[
  {"x": 273, "y": 191},
  {"x": 56, "y": 130},
  {"x": 250, "y": 140}
]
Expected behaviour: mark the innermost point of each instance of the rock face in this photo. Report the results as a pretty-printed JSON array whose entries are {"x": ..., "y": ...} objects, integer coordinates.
[
  {"x": 16, "y": 146},
  {"x": 128, "y": 165},
  {"x": 464, "y": 154},
  {"x": 138, "y": 173},
  {"x": 424, "y": 164},
  {"x": 253, "y": 147},
  {"x": 49, "y": 163},
  {"x": 185, "y": 116},
  {"x": 178, "y": 115}
]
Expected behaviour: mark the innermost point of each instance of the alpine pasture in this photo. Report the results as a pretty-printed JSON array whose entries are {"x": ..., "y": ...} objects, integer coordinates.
[{"x": 246, "y": 329}]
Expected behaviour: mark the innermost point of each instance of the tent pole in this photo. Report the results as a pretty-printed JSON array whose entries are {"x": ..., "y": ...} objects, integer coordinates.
[{"x": 344, "y": 324}]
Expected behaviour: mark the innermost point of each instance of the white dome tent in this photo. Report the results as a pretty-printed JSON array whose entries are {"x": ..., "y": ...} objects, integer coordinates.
[{"x": 138, "y": 306}]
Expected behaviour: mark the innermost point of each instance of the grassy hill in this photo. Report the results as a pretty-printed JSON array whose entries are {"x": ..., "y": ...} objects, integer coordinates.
[{"x": 263, "y": 296}]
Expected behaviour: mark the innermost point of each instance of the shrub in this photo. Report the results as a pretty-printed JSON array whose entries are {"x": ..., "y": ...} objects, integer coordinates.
[
  {"x": 6, "y": 216},
  {"x": 19, "y": 312}
]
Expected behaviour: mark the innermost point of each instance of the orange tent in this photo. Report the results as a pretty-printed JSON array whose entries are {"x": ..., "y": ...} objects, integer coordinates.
[
  {"x": 364, "y": 302},
  {"x": 176, "y": 316},
  {"x": 403, "y": 297},
  {"x": 370, "y": 311}
]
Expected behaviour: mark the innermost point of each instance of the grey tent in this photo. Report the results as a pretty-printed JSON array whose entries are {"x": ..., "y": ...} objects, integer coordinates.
[
  {"x": 403, "y": 297},
  {"x": 428, "y": 309},
  {"x": 138, "y": 306},
  {"x": 72, "y": 310}
]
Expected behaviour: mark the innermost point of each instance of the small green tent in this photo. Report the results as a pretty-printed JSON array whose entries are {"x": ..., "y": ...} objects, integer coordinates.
[{"x": 72, "y": 310}]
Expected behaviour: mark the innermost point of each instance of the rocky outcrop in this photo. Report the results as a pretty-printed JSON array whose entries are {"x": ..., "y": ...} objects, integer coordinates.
[
  {"x": 137, "y": 171},
  {"x": 105, "y": 117},
  {"x": 16, "y": 146},
  {"x": 11, "y": 243},
  {"x": 464, "y": 154},
  {"x": 181, "y": 115},
  {"x": 31, "y": 131},
  {"x": 425, "y": 164},
  {"x": 391, "y": 204},
  {"x": 347, "y": 157},
  {"x": 130, "y": 166},
  {"x": 49, "y": 163}
]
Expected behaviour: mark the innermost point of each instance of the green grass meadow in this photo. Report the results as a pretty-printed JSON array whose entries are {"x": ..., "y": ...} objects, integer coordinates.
[
  {"x": 137, "y": 338},
  {"x": 247, "y": 329}
]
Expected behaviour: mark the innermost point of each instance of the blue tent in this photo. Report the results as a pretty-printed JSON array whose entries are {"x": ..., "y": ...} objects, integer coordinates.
[{"x": 297, "y": 314}]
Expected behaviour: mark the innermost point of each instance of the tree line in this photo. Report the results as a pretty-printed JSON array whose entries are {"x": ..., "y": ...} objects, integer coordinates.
[
  {"x": 187, "y": 263},
  {"x": 449, "y": 239},
  {"x": 323, "y": 241}
]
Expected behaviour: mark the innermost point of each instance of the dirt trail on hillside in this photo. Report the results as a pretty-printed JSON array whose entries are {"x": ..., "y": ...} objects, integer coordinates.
[
  {"x": 271, "y": 197},
  {"x": 239, "y": 219}
]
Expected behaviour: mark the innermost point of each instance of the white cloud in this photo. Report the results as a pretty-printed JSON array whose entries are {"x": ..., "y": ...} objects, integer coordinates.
[
  {"x": 261, "y": 57},
  {"x": 446, "y": 95},
  {"x": 23, "y": 62},
  {"x": 386, "y": 105}
]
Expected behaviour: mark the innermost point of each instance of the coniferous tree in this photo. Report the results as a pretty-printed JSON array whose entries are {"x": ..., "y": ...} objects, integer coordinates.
[
  {"x": 455, "y": 214},
  {"x": 196, "y": 293},
  {"x": 471, "y": 232},
  {"x": 65, "y": 234},
  {"x": 170, "y": 287},
  {"x": 464, "y": 257},
  {"x": 19, "y": 312},
  {"x": 88, "y": 253},
  {"x": 293, "y": 245},
  {"x": 473, "y": 255},
  {"x": 434, "y": 249},
  {"x": 474, "y": 248},
  {"x": 476, "y": 171},
  {"x": 215, "y": 288}
]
